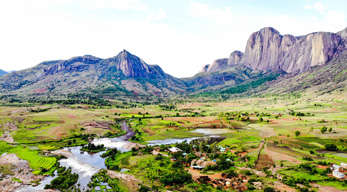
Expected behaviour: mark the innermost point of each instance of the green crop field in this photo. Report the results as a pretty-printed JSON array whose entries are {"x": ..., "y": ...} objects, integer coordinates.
[{"x": 36, "y": 161}]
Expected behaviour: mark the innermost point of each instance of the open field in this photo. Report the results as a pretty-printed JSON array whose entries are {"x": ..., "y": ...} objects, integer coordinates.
[{"x": 290, "y": 128}]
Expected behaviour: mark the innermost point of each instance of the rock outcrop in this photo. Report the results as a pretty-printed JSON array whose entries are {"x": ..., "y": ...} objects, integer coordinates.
[
  {"x": 267, "y": 49},
  {"x": 204, "y": 68},
  {"x": 225, "y": 63},
  {"x": 235, "y": 58},
  {"x": 133, "y": 66},
  {"x": 218, "y": 65},
  {"x": 343, "y": 33}
]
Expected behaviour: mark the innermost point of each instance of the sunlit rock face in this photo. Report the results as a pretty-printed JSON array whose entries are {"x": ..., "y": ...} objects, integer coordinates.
[{"x": 267, "y": 49}]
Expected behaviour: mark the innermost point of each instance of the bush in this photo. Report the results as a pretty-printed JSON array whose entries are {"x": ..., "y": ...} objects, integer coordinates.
[
  {"x": 331, "y": 147},
  {"x": 269, "y": 189}
]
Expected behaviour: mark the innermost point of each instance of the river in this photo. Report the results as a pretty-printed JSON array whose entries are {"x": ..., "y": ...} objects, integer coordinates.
[{"x": 87, "y": 164}]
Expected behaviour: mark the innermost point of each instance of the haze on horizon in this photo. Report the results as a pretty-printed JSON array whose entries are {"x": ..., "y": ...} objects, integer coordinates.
[{"x": 179, "y": 36}]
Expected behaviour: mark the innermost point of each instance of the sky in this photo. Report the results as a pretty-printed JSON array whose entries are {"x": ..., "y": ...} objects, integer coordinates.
[{"x": 178, "y": 35}]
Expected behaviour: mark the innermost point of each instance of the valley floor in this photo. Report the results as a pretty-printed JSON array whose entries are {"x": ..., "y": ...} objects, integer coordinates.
[{"x": 287, "y": 143}]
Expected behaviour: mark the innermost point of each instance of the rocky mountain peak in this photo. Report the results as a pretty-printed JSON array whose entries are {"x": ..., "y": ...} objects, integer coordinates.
[
  {"x": 267, "y": 49},
  {"x": 235, "y": 58},
  {"x": 204, "y": 68}
]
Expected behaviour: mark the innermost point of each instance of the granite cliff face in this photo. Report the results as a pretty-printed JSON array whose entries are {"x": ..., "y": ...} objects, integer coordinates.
[
  {"x": 343, "y": 33},
  {"x": 218, "y": 65},
  {"x": 204, "y": 68},
  {"x": 235, "y": 58},
  {"x": 267, "y": 49},
  {"x": 221, "y": 64}
]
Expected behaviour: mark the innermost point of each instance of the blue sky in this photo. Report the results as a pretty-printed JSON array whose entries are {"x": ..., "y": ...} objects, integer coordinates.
[{"x": 179, "y": 35}]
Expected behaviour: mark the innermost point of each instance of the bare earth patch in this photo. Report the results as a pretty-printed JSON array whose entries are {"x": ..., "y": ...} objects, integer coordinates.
[
  {"x": 130, "y": 180},
  {"x": 20, "y": 169},
  {"x": 279, "y": 156}
]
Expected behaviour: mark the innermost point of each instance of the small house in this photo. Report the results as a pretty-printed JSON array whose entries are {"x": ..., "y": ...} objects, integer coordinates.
[
  {"x": 197, "y": 167},
  {"x": 338, "y": 174},
  {"x": 174, "y": 149},
  {"x": 335, "y": 167}
]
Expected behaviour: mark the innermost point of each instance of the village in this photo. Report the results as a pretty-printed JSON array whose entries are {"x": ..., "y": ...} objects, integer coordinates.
[{"x": 203, "y": 166}]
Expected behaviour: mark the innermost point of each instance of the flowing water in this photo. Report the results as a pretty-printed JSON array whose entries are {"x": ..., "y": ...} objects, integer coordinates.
[{"x": 87, "y": 164}]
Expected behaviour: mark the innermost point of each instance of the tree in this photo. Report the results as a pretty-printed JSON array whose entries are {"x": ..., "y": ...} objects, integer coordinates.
[
  {"x": 269, "y": 189},
  {"x": 297, "y": 133},
  {"x": 331, "y": 147},
  {"x": 261, "y": 119},
  {"x": 323, "y": 129},
  {"x": 330, "y": 129}
]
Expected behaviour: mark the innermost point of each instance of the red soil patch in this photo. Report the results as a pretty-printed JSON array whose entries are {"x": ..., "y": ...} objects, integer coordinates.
[
  {"x": 71, "y": 116},
  {"x": 322, "y": 167},
  {"x": 281, "y": 156},
  {"x": 264, "y": 160},
  {"x": 329, "y": 110},
  {"x": 149, "y": 131},
  {"x": 41, "y": 90},
  {"x": 196, "y": 174}
]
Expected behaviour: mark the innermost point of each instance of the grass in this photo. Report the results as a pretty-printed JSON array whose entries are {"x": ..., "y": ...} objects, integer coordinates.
[
  {"x": 302, "y": 175},
  {"x": 337, "y": 184},
  {"x": 36, "y": 161}
]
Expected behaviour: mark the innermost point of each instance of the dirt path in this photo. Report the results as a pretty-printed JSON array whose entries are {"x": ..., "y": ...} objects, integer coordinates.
[
  {"x": 156, "y": 153},
  {"x": 283, "y": 187}
]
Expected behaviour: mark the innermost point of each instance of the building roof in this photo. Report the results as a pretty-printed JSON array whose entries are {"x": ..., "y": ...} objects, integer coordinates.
[
  {"x": 339, "y": 173},
  {"x": 174, "y": 149},
  {"x": 197, "y": 167}
]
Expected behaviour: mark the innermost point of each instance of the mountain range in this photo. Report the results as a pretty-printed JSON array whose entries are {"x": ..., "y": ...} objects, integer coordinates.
[{"x": 267, "y": 52}]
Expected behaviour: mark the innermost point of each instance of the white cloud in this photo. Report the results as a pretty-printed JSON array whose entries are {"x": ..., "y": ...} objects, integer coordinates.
[
  {"x": 205, "y": 11},
  {"x": 319, "y": 7},
  {"x": 156, "y": 16},
  {"x": 308, "y": 7},
  {"x": 112, "y": 4}
]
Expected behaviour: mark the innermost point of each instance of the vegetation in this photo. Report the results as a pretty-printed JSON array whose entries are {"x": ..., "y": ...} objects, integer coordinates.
[
  {"x": 64, "y": 181},
  {"x": 93, "y": 148}
]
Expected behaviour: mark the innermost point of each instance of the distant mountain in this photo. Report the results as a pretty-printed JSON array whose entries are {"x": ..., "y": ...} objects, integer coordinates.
[
  {"x": 2, "y": 72},
  {"x": 267, "y": 50},
  {"x": 232, "y": 76},
  {"x": 268, "y": 56},
  {"x": 124, "y": 74}
]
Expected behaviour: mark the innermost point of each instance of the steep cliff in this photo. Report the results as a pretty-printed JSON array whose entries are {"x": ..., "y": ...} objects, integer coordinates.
[{"x": 267, "y": 49}]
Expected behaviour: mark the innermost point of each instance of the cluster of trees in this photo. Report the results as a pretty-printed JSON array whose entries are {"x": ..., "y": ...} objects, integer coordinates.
[
  {"x": 325, "y": 129},
  {"x": 64, "y": 181},
  {"x": 250, "y": 85},
  {"x": 300, "y": 114},
  {"x": 93, "y": 148},
  {"x": 177, "y": 177},
  {"x": 167, "y": 107}
]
